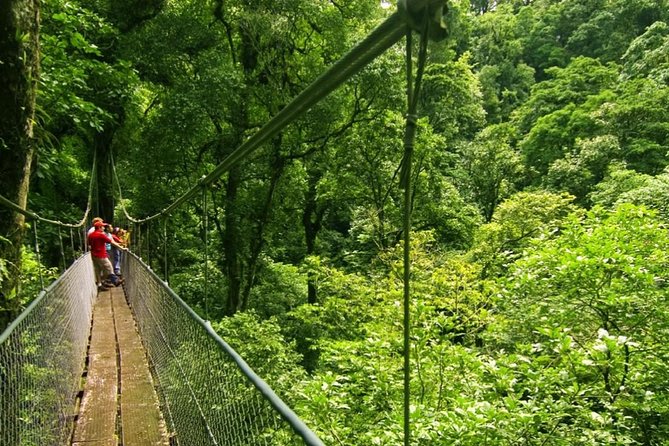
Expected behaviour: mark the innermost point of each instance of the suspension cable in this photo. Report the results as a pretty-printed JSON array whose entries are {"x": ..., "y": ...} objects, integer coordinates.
[
  {"x": 206, "y": 252},
  {"x": 62, "y": 249},
  {"x": 405, "y": 183},
  {"x": 39, "y": 260},
  {"x": 72, "y": 243},
  {"x": 120, "y": 192},
  {"x": 376, "y": 43},
  {"x": 167, "y": 279},
  {"x": 10, "y": 204}
]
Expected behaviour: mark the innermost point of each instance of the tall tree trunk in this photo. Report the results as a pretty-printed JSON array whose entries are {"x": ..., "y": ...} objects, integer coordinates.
[
  {"x": 19, "y": 72},
  {"x": 233, "y": 218},
  {"x": 257, "y": 241},
  {"x": 230, "y": 239},
  {"x": 312, "y": 219},
  {"x": 102, "y": 141}
]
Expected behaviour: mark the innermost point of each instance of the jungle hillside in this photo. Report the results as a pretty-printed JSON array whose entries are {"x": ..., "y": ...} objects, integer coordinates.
[{"x": 539, "y": 201}]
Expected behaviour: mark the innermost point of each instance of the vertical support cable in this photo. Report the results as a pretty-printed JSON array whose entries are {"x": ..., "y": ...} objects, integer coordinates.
[
  {"x": 133, "y": 236},
  {"x": 62, "y": 250},
  {"x": 205, "y": 223},
  {"x": 405, "y": 179},
  {"x": 148, "y": 244},
  {"x": 405, "y": 183},
  {"x": 139, "y": 241},
  {"x": 72, "y": 245},
  {"x": 97, "y": 191},
  {"x": 165, "y": 248},
  {"x": 39, "y": 260}
]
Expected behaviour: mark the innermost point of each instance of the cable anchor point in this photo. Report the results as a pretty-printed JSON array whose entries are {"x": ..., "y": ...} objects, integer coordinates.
[{"x": 416, "y": 12}]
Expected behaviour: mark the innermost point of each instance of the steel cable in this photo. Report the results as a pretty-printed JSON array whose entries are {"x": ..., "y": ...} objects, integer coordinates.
[{"x": 10, "y": 204}]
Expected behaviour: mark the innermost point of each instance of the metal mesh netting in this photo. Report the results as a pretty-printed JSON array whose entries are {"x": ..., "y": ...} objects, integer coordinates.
[
  {"x": 208, "y": 394},
  {"x": 42, "y": 356}
]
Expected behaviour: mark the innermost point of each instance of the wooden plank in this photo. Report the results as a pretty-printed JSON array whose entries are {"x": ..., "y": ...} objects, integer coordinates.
[
  {"x": 141, "y": 420},
  {"x": 97, "y": 443},
  {"x": 96, "y": 425}
]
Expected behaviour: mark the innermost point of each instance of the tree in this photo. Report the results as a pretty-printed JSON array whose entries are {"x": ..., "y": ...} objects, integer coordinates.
[
  {"x": 604, "y": 30},
  {"x": 639, "y": 118},
  {"x": 516, "y": 222},
  {"x": 602, "y": 282},
  {"x": 451, "y": 99},
  {"x": 241, "y": 64},
  {"x": 645, "y": 55},
  {"x": 19, "y": 74},
  {"x": 85, "y": 90},
  {"x": 561, "y": 109},
  {"x": 497, "y": 52},
  {"x": 623, "y": 185},
  {"x": 618, "y": 180},
  {"x": 493, "y": 167},
  {"x": 584, "y": 167}
]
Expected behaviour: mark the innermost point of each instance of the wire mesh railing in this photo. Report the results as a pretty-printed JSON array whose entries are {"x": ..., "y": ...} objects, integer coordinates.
[
  {"x": 209, "y": 395},
  {"x": 42, "y": 357}
]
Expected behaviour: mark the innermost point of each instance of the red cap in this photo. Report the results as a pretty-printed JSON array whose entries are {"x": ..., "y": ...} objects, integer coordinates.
[{"x": 99, "y": 224}]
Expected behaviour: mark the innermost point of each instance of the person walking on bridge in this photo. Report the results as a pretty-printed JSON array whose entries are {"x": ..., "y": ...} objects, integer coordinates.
[
  {"x": 103, "y": 267},
  {"x": 116, "y": 234}
]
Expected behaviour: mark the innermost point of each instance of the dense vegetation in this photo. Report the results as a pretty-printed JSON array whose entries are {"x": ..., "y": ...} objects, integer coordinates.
[{"x": 540, "y": 307}]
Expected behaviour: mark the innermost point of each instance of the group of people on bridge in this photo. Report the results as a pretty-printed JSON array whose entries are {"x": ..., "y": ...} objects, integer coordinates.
[{"x": 107, "y": 244}]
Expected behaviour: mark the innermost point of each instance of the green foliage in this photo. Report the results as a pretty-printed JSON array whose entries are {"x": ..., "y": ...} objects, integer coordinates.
[
  {"x": 645, "y": 56},
  {"x": 451, "y": 303},
  {"x": 440, "y": 207},
  {"x": 33, "y": 275},
  {"x": 638, "y": 117},
  {"x": 264, "y": 348},
  {"x": 618, "y": 180},
  {"x": 452, "y": 98},
  {"x": 561, "y": 109},
  {"x": 602, "y": 283},
  {"x": 548, "y": 329},
  {"x": 203, "y": 287},
  {"x": 280, "y": 289},
  {"x": 78, "y": 85},
  {"x": 651, "y": 194},
  {"x": 343, "y": 305},
  {"x": 353, "y": 402},
  {"x": 585, "y": 167},
  {"x": 518, "y": 220},
  {"x": 493, "y": 167},
  {"x": 505, "y": 78}
]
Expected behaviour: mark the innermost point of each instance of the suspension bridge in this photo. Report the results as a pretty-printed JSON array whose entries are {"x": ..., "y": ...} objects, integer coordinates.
[
  {"x": 136, "y": 365},
  {"x": 206, "y": 394}
]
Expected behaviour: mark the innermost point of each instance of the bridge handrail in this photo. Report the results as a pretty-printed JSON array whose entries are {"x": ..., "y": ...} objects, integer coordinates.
[
  {"x": 42, "y": 358},
  {"x": 16, "y": 322},
  {"x": 297, "y": 425}
]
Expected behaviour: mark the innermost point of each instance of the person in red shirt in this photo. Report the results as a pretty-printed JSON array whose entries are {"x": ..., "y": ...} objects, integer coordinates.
[{"x": 103, "y": 267}]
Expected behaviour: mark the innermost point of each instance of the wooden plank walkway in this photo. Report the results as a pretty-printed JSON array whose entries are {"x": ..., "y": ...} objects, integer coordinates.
[{"x": 119, "y": 404}]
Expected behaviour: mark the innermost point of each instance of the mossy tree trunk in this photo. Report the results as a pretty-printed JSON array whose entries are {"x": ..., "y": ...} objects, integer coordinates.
[{"x": 19, "y": 72}]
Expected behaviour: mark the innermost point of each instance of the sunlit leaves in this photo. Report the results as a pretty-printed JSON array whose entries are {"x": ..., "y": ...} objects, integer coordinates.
[
  {"x": 646, "y": 55},
  {"x": 73, "y": 68},
  {"x": 602, "y": 281}
]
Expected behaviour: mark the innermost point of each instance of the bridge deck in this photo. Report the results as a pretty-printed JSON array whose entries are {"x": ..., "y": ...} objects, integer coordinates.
[{"x": 119, "y": 404}]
